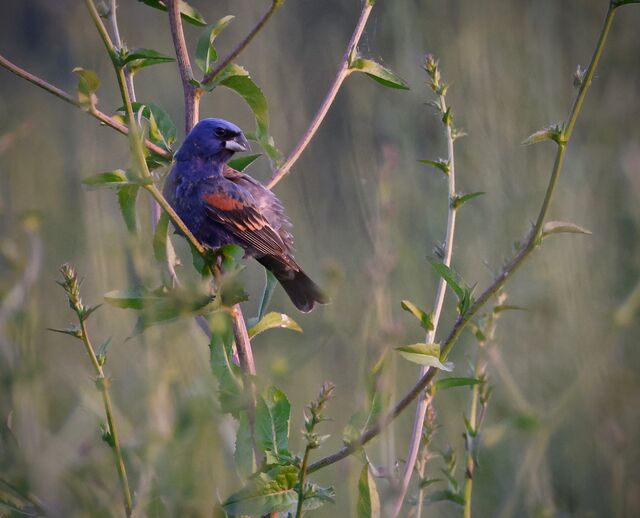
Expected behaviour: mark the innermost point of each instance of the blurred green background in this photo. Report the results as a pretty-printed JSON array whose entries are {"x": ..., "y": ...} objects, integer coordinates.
[{"x": 563, "y": 426}]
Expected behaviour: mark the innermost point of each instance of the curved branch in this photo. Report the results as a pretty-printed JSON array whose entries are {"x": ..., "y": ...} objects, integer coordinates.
[
  {"x": 243, "y": 44},
  {"x": 61, "y": 94},
  {"x": 531, "y": 242},
  {"x": 343, "y": 72}
]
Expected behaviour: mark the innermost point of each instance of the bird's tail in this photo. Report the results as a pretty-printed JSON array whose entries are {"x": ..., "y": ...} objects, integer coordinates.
[{"x": 303, "y": 292}]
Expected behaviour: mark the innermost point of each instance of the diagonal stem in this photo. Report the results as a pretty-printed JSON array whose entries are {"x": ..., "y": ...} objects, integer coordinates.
[
  {"x": 61, "y": 94},
  {"x": 211, "y": 76},
  {"x": 533, "y": 239},
  {"x": 343, "y": 72}
]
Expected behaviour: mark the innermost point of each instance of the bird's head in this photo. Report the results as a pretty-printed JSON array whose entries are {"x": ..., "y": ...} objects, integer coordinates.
[{"x": 213, "y": 138}]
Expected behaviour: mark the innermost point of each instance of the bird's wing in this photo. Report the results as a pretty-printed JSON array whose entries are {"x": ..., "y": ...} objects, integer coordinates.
[{"x": 239, "y": 216}]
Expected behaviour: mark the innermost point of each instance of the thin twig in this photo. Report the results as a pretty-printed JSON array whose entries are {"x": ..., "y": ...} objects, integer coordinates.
[
  {"x": 191, "y": 92},
  {"x": 211, "y": 76},
  {"x": 61, "y": 94},
  {"x": 71, "y": 285},
  {"x": 343, "y": 72},
  {"x": 423, "y": 402},
  {"x": 533, "y": 239}
]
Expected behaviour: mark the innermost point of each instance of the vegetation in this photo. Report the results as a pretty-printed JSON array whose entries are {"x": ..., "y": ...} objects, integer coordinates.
[{"x": 190, "y": 430}]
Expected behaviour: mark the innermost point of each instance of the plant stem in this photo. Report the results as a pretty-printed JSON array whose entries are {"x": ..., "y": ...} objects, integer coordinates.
[
  {"x": 192, "y": 108},
  {"x": 303, "y": 472},
  {"x": 61, "y": 94},
  {"x": 423, "y": 401},
  {"x": 191, "y": 92},
  {"x": 211, "y": 76},
  {"x": 343, "y": 72},
  {"x": 533, "y": 239},
  {"x": 473, "y": 419},
  {"x": 102, "y": 383}
]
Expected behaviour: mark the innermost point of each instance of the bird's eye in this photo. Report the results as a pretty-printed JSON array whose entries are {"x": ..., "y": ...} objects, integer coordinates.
[{"x": 220, "y": 132}]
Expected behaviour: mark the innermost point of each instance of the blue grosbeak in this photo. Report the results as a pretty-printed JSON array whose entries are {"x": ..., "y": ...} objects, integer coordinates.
[{"x": 222, "y": 206}]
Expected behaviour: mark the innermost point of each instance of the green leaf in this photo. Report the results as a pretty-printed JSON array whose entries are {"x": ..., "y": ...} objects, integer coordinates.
[
  {"x": 428, "y": 482},
  {"x": 362, "y": 420},
  {"x": 131, "y": 299},
  {"x": 127, "y": 196},
  {"x": 459, "y": 199},
  {"x": 272, "y": 420},
  {"x": 137, "y": 59},
  {"x": 243, "y": 454},
  {"x": 237, "y": 79},
  {"x": 274, "y": 320},
  {"x": 115, "y": 178},
  {"x": 450, "y": 277},
  {"x": 269, "y": 492},
  {"x": 316, "y": 496},
  {"x": 101, "y": 354},
  {"x": 445, "y": 495},
  {"x": 424, "y": 317},
  {"x": 206, "y": 54},
  {"x": 553, "y": 132},
  {"x": 160, "y": 305},
  {"x": 368, "y": 505},
  {"x": 378, "y": 73},
  {"x": 229, "y": 375},
  {"x": 424, "y": 354},
  {"x": 559, "y": 227},
  {"x": 270, "y": 284},
  {"x": 446, "y": 383},
  {"x": 163, "y": 250},
  {"x": 440, "y": 164},
  {"x": 88, "y": 83},
  {"x": 188, "y": 13},
  {"x": 162, "y": 130},
  {"x": 241, "y": 163}
]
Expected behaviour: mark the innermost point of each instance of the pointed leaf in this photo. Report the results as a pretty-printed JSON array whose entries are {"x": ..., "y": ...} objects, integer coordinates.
[
  {"x": 445, "y": 495},
  {"x": 424, "y": 317},
  {"x": 424, "y": 354},
  {"x": 559, "y": 227},
  {"x": 450, "y": 276},
  {"x": 553, "y": 132},
  {"x": 127, "y": 196},
  {"x": 362, "y": 420},
  {"x": 368, "y": 505},
  {"x": 378, "y": 73},
  {"x": 88, "y": 83},
  {"x": 446, "y": 383},
  {"x": 187, "y": 12},
  {"x": 205, "y": 52},
  {"x": 274, "y": 320},
  {"x": 272, "y": 420},
  {"x": 241, "y": 163},
  {"x": 243, "y": 455},
  {"x": 226, "y": 371},
  {"x": 269, "y": 492},
  {"x": 440, "y": 164},
  {"x": 459, "y": 199},
  {"x": 138, "y": 59}
]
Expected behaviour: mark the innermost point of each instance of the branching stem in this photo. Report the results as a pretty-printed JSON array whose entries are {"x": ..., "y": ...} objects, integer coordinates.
[
  {"x": 211, "y": 76},
  {"x": 343, "y": 72},
  {"x": 423, "y": 401},
  {"x": 533, "y": 239}
]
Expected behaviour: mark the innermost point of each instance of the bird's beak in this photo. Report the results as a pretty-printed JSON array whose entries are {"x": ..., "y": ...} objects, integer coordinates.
[{"x": 238, "y": 143}]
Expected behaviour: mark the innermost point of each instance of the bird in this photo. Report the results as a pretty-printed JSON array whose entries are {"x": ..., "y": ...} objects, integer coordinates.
[{"x": 222, "y": 206}]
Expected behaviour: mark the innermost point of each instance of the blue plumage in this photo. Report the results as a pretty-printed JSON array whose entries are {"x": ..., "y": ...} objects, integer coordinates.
[{"x": 223, "y": 206}]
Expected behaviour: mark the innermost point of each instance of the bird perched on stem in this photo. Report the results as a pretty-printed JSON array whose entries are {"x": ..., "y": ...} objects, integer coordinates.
[{"x": 222, "y": 206}]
